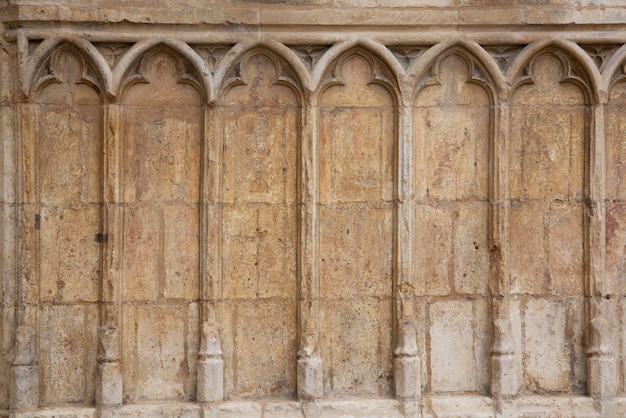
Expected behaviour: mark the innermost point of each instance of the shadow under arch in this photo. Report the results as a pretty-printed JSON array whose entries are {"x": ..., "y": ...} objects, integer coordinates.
[
  {"x": 122, "y": 77},
  {"x": 32, "y": 78}
]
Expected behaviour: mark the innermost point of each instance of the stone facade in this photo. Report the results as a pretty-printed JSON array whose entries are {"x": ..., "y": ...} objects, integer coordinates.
[{"x": 313, "y": 208}]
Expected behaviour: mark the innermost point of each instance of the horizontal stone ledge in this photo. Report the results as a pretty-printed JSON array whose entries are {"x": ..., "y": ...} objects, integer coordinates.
[
  {"x": 302, "y": 35},
  {"x": 320, "y": 12},
  {"x": 449, "y": 406}
]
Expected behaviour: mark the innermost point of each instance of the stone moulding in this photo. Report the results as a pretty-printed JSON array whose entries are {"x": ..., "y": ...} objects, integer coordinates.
[{"x": 404, "y": 67}]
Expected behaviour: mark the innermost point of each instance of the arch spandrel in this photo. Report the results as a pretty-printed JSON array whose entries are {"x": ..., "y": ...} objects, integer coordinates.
[
  {"x": 357, "y": 113},
  {"x": 259, "y": 139}
]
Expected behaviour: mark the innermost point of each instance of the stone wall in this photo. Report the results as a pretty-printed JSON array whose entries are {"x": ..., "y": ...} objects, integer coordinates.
[{"x": 320, "y": 209}]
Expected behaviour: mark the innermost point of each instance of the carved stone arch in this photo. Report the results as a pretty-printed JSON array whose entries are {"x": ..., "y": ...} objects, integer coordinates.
[
  {"x": 190, "y": 67},
  {"x": 294, "y": 72},
  {"x": 578, "y": 67},
  {"x": 477, "y": 73},
  {"x": 287, "y": 71},
  {"x": 483, "y": 70},
  {"x": 386, "y": 69},
  {"x": 39, "y": 71}
]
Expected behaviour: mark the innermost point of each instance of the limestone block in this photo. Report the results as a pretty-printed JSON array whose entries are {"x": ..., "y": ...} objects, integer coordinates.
[
  {"x": 210, "y": 380},
  {"x": 181, "y": 229},
  {"x": 8, "y": 160},
  {"x": 265, "y": 345},
  {"x": 471, "y": 248},
  {"x": 24, "y": 386},
  {"x": 70, "y": 255},
  {"x": 355, "y": 251},
  {"x": 551, "y": 332},
  {"x": 452, "y": 347},
  {"x": 355, "y": 342},
  {"x": 615, "y": 244},
  {"x": 433, "y": 246},
  {"x": 355, "y": 407},
  {"x": 527, "y": 251},
  {"x": 260, "y": 163},
  {"x": 407, "y": 376},
  {"x": 357, "y": 167},
  {"x": 160, "y": 136},
  {"x": 71, "y": 135},
  {"x": 239, "y": 410},
  {"x": 503, "y": 365},
  {"x": 615, "y": 129},
  {"x": 160, "y": 356},
  {"x": 565, "y": 249},
  {"x": 283, "y": 410},
  {"x": 141, "y": 253},
  {"x": 67, "y": 353},
  {"x": 259, "y": 251}
]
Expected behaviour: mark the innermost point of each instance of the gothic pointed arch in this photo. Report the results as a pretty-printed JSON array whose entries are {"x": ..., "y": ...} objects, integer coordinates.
[
  {"x": 387, "y": 69},
  {"x": 292, "y": 70},
  {"x": 40, "y": 68},
  {"x": 483, "y": 69},
  {"x": 190, "y": 68},
  {"x": 579, "y": 67}
]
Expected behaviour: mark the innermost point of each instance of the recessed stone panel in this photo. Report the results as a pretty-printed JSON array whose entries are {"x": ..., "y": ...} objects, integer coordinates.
[
  {"x": 549, "y": 132},
  {"x": 260, "y": 141},
  {"x": 162, "y": 142},
  {"x": 452, "y": 136},
  {"x": 162, "y": 368},
  {"x": 355, "y": 166}
]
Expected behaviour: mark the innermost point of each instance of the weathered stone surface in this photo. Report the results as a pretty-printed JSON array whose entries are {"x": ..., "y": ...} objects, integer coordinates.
[
  {"x": 260, "y": 145},
  {"x": 309, "y": 177},
  {"x": 356, "y": 231},
  {"x": 68, "y": 354}
]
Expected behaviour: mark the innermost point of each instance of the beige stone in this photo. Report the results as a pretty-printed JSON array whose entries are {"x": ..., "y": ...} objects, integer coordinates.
[{"x": 312, "y": 208}]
